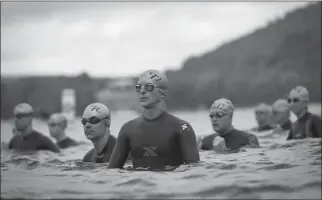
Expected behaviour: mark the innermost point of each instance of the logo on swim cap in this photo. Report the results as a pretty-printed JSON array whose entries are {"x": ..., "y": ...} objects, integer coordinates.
[
  {"x": 223, "y": 104},
  {"x": 96, "y": 109},
  {"x": 158, "y": 78},
  {"x": 300, "y": 92}
]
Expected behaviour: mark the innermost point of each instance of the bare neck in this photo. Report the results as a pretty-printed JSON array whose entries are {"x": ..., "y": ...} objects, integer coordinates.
[
  {"x": 25, "y": 132},
  {"x": 61, "y": 137},
  {"x": 154, "y": 112}
]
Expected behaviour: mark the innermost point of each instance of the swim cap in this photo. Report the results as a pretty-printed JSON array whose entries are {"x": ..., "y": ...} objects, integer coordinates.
[
  {"x": 159, "y": 79},
  {"x": 96, "y": 109},
  {"x": 57, "y": 118},
  {"x": 223, "y": 104},
  {"x": 264, "y": 107},
  {"x": 299, "y": 92},
  {"x": 280, "y": 105},
  {"x": 23, "y": 108}
]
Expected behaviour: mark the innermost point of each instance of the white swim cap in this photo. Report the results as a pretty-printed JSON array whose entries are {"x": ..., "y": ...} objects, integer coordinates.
[
  {"x": 23, "y": 108},
  {"x": 224, "y": 105},
  {"x": 159, "y": 79},
  {"x": 299, "y": 92},
  {"x": 280, "y": 105},
  {"x": 96, "y": 110},
  {"x": 57, "y": 118}
]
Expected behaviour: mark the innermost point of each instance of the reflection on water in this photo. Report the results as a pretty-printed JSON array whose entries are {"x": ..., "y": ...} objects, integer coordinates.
[{"x": 279, "y": 169}]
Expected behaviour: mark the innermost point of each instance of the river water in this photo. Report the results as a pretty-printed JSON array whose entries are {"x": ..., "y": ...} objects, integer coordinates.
[{"x": 279, "y": 169}]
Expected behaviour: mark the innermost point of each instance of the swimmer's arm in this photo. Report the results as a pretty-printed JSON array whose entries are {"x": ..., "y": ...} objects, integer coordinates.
[
  {"x": 10, "y": 146},
  {"x": 121, "y": 150},
  {"x": 188, "y": 145},
  {"x": 88, "y": 156},
  {"x": 289, "y": 137},
  {"x": 207, "y": 142},
  {"x": 49, "y": 145},
  {"x": 316, "y": 122}
]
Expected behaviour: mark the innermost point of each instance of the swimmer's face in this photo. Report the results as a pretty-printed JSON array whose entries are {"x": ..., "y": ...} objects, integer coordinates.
[
  {"x": 220, "y": 120},
  {"x": 56, "y": 128},
  {"x": 148, "y": 91},
  {"x": 297, "y": 104},
  {"x": 263, "y": 117},
  {"x": 23, "y": 120},
  {"x": 95, "y": 124}
]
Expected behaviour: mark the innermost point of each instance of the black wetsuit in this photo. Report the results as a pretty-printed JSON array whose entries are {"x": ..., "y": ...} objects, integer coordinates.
[
  {"x": 287, "y": 125},
  {"x": 308, "y": 125},
  {"x": 233, "y": 140},
  {"x": 263, "y": 128},
  {"x": 32, "y": 141},
  {"x": 66, "y": 143},
  {"x": 155, "y": 144},
  {"x": 92, "y": 155}
]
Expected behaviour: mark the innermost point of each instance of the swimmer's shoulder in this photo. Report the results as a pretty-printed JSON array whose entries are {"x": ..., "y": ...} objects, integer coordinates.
[
  {"x": 250, "y": 138},
  {"x": 129, "y": 127},
  {"x": 89, "y": 155},
  {"x": 176, "y": 120}
]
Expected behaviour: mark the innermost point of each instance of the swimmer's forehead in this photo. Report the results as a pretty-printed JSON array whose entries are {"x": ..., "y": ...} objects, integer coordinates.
[
  {"x": 299, "y": 92},
  {"x": 222, "y": 105},
  {"x": 153, "y": 76},
  {"x": 23, "y": 108},
  {"x": 96, "y": 110},
  {"x": 56, "y": 118}
]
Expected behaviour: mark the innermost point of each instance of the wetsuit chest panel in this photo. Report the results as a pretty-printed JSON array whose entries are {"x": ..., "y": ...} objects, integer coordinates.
[
  {"x": 301, "y": 128},
  {"x": 156, "y": 142},
  {"x": 68, "y": 142},
  {"x": 31, "y": 142},
  {"x": 237, "y": 139}
]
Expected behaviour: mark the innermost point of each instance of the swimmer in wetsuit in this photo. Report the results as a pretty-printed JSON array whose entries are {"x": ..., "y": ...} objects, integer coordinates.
[
  {"x": 221, "y": 115},
  {"x": 96, "y": 122},
  {"x": 307, "y": 124},
  {"x": 57, "y": 124},
  {"x": 25, "y": 137},
  {"x": 264, "y": 116},
  {"x": 281, "y": 115},
  {"x": 156, "y": 139}
]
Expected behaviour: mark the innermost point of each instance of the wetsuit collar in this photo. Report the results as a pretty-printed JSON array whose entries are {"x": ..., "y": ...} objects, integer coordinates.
[
  {"x": 155, "y": 119},
  {"x": 286, "y": 125},
  {"x": 304, "y": 116},
  {"x": 227, "y": 132},
  {"x": 98, "y": 145}
]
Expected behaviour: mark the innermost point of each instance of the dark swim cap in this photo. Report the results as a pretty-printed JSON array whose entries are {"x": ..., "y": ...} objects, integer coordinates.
[{"x": 159, "y": 79}]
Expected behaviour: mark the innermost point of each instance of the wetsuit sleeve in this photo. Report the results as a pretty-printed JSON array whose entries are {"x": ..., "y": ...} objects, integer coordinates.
[
  {"x": 208, "y": 141},
  {"x": 11, "y": 143},
  {"x": 188, "y": 144},
  {"x": 88, "y": 156},
  {"x": 121, "y": 149},
  {"x": 47, "y": 144},
  {"x": 316, "y": 125},
  {"x": 289, "y": 137}
]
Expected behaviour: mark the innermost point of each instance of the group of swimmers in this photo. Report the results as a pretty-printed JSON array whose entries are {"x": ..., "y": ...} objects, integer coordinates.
[{"x": 158, "y": 139}]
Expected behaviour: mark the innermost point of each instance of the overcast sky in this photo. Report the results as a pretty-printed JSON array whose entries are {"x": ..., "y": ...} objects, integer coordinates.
[{"x": 119, "y": 39}]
